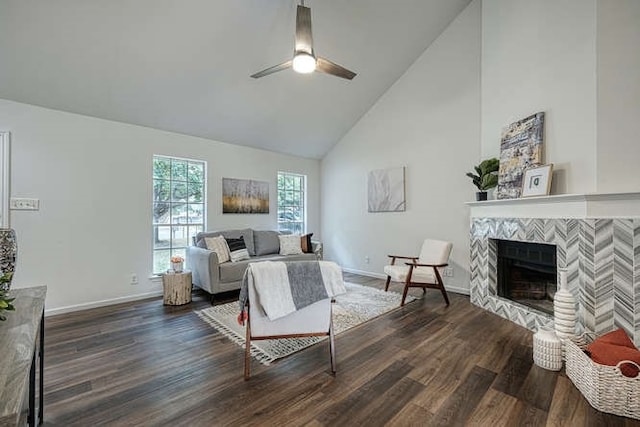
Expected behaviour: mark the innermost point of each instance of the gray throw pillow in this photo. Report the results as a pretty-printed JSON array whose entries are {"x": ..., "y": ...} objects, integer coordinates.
[{"x": 266, "y": 242}]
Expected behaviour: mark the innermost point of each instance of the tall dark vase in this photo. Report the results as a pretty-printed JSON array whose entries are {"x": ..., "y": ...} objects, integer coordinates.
[{"x": 8, "y": 252}]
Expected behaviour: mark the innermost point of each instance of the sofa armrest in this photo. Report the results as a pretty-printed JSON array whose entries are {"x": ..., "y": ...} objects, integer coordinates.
[
  {"x": 204, "y": 268},
  {"x": 316, "y": 246}
]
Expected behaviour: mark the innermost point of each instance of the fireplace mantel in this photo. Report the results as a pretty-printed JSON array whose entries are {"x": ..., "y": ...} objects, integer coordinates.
[{"x": 609, "y": 205}]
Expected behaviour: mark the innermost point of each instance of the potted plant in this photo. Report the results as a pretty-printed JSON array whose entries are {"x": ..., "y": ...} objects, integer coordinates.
[{"x": 486, "y": 177}]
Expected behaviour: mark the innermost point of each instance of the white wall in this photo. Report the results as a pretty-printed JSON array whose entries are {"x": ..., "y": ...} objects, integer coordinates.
[
  {"x": 618, "y": 90},
  {"x": 541, "y": 56},
  {"x": 428, "y": 121},
  {"x": 93, "y": 179}
]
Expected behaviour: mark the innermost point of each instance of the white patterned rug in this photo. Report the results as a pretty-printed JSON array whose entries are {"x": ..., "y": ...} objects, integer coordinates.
[{"x": 359, "y": 304}]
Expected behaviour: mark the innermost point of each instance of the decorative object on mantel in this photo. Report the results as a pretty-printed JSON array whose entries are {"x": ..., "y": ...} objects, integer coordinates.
[
  {"x": 564, "y": 308},
  {"x": 520, "y": 148},
  {"x": 5, "y": 304},
  {"x": 8, "y": 252},
  {"x": 486, "y": 178},
  {"x": 537, "y": 181},
  {"x": 547, "y": 349},
  {"x": 177, "y": 263},
  {"x": 385, "y": 190}
]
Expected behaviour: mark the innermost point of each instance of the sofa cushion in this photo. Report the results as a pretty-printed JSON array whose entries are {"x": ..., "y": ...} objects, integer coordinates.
[
  {"x": 266, "y": 242},
  {"x": 246, "y": 233},
  {"x": 218, "y": 244},
  {"x": 233, "y": 271},
  {"x": 237, "y": 249},
  {"x": 290, "y": 245}
]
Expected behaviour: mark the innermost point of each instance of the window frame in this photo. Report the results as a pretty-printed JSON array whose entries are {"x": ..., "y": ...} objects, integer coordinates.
[
  {"x": 172, "y": 183},
  {"x": 292, "y": 207}
]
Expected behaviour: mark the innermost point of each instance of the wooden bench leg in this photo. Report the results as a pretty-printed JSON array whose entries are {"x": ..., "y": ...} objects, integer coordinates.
[
  {"x": 247, "y": 352},
  {"x": 332, "y": 349}
]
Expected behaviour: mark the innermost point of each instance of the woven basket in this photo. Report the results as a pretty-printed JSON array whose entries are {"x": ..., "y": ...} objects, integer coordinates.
[{"x": 605, "y": 387}]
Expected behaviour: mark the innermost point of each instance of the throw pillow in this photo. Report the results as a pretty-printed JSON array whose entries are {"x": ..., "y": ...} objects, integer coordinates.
[
  {"x": 266, "y": 242},
  {"x": 305, "y": 242},
  {"x": 290, "y": 244},
  {"x": 237, "y": 249},
  {"x": 219, "y": 246}
]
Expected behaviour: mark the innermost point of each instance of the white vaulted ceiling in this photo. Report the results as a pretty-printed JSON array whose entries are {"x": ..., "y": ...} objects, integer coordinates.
[{"x": 184, "y": 65}]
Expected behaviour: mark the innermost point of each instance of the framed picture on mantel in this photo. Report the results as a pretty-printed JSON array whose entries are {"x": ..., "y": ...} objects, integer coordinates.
[{"x": 537, "y": 181}]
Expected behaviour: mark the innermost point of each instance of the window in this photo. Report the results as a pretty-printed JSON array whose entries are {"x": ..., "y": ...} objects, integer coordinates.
[
  {"x": 292, "y": 213},
  {"x": 178, "y": 207}
]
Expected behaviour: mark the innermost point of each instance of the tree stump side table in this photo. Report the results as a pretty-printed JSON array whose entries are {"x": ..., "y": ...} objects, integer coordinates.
[{"x": 176, "y": 288}]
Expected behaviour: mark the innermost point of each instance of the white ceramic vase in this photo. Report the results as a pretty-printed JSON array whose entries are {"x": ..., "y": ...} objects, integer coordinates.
[
  {"x": 564, "y": 309},
  {"x": 547, "y": 349}
]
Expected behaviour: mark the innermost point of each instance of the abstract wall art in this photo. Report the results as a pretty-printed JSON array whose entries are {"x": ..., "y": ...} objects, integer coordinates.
[
  {"x": 245, "y": 196},
  {"x": 386, "y": 190},
  {"x": 520, "y": 149}
]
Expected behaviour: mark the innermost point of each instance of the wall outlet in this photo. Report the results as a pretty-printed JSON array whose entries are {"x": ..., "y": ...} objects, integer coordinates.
[
  {"x": 22, "y": 204},
  {"x": 447, "y": 272},
  {"x": 134, "y": 279},
  {"x": 366, "y": 260}
]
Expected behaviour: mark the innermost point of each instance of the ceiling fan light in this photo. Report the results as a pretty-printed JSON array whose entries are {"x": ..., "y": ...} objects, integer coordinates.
[{"x": 304, "y": 63}]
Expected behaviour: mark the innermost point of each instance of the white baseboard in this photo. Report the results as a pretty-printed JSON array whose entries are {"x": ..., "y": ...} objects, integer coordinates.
[
  {"x": 102, "y": 303},
  {"x": 454, "y": 289},
  {"x": 365, "y": 273}
]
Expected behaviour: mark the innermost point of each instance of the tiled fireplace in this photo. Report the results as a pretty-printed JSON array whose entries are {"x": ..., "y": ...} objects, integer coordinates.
[{"x": 596, "y": 238}]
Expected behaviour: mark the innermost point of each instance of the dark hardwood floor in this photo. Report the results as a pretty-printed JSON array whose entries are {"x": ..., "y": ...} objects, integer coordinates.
[{"x": 425, "y": 364}]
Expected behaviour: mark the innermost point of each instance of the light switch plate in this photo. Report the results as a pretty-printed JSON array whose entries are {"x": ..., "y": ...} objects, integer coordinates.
[{"x": 24, "y": 204}]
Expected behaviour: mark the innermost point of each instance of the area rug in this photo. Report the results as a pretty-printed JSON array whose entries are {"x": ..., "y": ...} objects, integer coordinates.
[{"x": 358, "y": 305}]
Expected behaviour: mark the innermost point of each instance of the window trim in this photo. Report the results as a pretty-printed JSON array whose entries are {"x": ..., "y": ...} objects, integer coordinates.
[
  {"x": 303, "y": 198},
  {"x": 171, "y": 224}
]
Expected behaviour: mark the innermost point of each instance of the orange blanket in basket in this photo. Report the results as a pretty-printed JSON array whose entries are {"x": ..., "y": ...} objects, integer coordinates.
[{"x": 614, "y": 347}]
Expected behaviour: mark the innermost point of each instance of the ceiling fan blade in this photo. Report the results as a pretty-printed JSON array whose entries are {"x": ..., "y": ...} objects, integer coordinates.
[
  {"x": 325, "y": 66},
  {"x": 304, "y": 40},
  {"x": 274, "y": 69}
]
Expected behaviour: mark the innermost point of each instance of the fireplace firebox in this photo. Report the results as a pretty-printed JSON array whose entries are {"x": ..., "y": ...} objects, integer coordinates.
[{"x": 527, "y": 273}]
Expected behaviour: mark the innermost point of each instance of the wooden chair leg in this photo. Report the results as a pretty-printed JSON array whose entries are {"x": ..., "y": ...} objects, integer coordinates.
[
  {"x": 444, "y": 293},
  {"x": 386, "y": 285},
  {"x": 404, "y": 294},
  {"x": 247, "y": 352},
  {"x": 441, "y": 286},
  {"x": 407, "y": 283}
]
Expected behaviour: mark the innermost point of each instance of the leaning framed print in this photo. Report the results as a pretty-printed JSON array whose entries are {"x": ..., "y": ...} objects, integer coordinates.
[{"x": 537, "y": 181}]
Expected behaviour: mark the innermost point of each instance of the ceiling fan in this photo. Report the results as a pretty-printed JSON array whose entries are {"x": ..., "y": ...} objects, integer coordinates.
[{"x": 304, "y": 59}]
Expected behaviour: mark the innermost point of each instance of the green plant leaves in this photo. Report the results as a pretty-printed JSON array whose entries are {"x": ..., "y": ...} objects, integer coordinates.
[
  {"x": 487, "y": 174},
  {"x": 5, "y": 303}
]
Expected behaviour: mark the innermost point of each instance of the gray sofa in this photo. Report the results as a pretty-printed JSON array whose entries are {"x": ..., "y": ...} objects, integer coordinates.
[{"x": 215, "y": 278}]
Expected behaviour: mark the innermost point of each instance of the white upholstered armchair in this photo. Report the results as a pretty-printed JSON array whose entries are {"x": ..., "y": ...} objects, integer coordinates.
[{"x": 423, "y": 271}]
